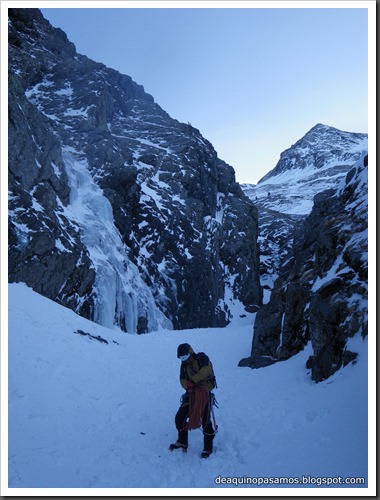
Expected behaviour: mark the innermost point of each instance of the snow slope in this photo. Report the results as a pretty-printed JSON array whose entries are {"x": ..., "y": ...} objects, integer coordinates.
[{"x": 88, "y": 414}]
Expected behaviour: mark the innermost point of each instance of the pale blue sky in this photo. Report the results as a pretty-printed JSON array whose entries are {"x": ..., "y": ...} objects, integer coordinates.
[{"x": 252, "y": 80}]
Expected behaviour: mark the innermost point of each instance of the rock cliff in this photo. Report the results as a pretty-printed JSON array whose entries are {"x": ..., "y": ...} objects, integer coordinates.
[
  {"x": 321, "y": 292},
  {"x": 117, "y": 210}
]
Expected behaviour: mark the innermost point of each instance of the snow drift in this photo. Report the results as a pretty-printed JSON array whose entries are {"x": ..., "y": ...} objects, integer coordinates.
[{"x": 97, "y": 410}]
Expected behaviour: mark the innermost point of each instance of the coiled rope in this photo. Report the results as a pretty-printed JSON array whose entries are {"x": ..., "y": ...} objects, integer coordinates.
[{"x": 198, "y": 400}]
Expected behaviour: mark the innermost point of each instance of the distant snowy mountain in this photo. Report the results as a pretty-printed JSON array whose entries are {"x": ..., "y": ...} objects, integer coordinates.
[
  {"x": 313, "y": 164},
  {"x": 284, "y": 197},
  {"x": 116, "y": 210},
  {"x": 91, "y": 412}
]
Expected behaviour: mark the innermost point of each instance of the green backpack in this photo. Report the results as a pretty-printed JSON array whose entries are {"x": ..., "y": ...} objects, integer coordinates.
[{"x": 203, "y": 360}]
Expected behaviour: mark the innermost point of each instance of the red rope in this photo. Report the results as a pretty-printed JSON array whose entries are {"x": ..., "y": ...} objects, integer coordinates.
[{"x": 199, "y": 398}]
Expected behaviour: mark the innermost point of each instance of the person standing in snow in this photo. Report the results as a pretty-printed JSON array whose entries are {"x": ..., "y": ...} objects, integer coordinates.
[{"x": 197, "y": 378}]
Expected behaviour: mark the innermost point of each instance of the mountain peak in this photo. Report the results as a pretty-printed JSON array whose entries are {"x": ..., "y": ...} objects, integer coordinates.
[
  {"x": 317, "y": 161},
  {"x": 320, "y": 126},
  {"x": 321, "y": 146}
]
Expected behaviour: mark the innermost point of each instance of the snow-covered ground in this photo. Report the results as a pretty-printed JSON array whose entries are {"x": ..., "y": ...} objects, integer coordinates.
[{"x": 91, "y": 415}]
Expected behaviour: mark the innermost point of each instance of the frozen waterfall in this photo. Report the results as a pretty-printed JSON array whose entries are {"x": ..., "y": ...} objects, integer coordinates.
[{"x": 121, "y": 296}]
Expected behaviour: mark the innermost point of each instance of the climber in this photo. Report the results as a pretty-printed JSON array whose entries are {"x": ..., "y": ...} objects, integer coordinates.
[{"x": 198, "y": 379}]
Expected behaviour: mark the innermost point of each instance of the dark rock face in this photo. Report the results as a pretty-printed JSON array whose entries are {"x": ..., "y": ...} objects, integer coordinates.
[
  {"x": 276, "y": 236},
  {"x": 321, "y": 293},
  {"x": 38, "y": 187},
  {"x": 117, "y": 210}
]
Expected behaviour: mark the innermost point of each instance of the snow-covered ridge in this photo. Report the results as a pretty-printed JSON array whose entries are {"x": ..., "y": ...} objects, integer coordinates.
[
  {"x": 318, "y": 161},
  {"x": 285, "y": 196},
  {"x": 321, "y": 147}
]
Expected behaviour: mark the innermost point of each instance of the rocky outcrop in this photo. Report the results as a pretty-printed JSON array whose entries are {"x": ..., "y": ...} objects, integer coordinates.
[
  {"x": 117, "y": 210},
  {"x": 321, "y": 293}
]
